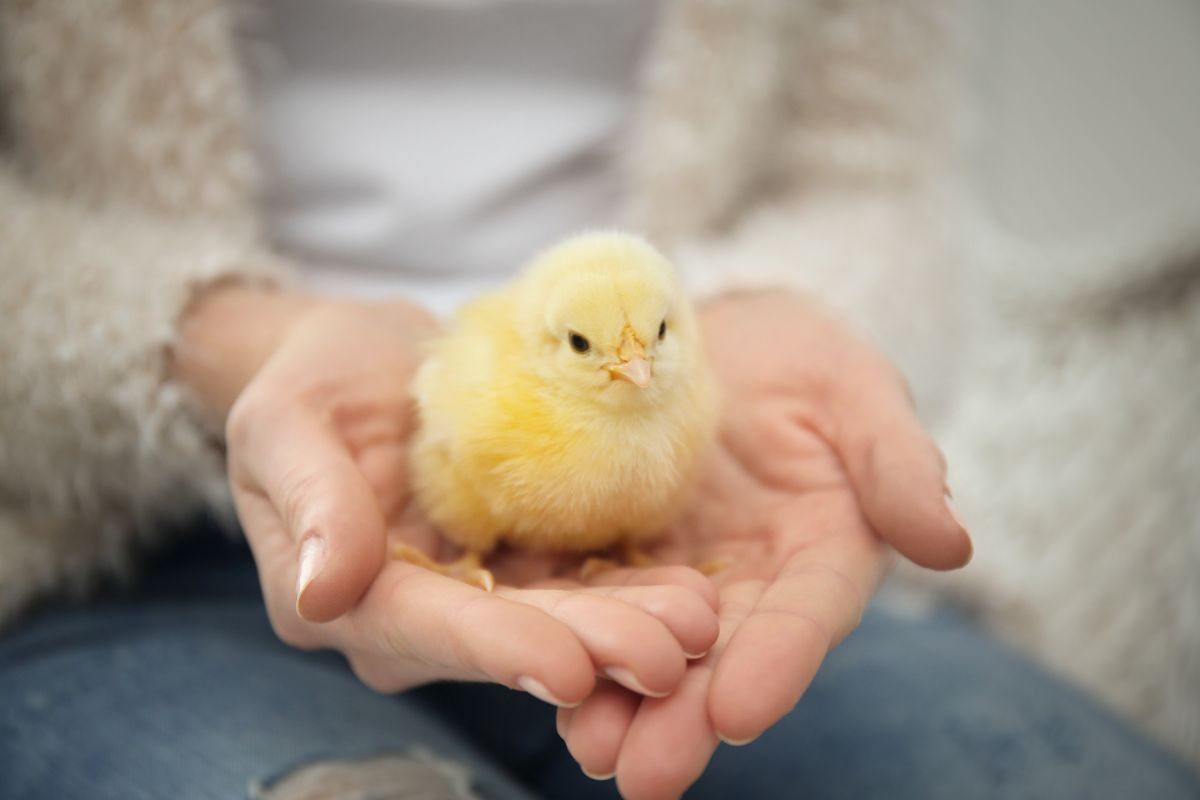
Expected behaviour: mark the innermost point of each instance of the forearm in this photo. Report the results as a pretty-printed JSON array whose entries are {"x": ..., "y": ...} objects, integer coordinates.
[
  {"x": 226, "y": 335},
  {"x": 232, "y": 329}
]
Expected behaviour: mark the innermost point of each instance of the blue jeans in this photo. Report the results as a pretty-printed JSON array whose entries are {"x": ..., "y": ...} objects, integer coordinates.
[{"x": 178, "y": 688}]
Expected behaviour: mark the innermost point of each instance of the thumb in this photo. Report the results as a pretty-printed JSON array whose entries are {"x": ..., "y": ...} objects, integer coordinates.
[
  {"x": 328, "y": 508},
  {"x": 898, "y": 473}
]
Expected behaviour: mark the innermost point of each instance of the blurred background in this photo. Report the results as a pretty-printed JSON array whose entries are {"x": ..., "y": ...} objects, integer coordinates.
[
  {"x": 1074, "y": 436},
  {"x": 1088, "y": 112}
]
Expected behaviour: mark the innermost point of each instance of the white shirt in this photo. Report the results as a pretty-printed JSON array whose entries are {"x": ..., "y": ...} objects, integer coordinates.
[{"x": 430, "y": 148}]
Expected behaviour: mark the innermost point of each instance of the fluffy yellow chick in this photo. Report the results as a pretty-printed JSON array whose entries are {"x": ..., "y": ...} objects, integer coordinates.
[{"x": 566, "y": 411}]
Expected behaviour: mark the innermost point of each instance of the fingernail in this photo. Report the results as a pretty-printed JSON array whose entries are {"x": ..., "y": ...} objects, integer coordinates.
[
  {"x": 539, "y": 690},
  {"x": 954, "y": 511},
  {"x": 596, "y": 777},
  {"x": 736, "y": 742},
  {"x": 695, "y": 656},
  {"x": 630, "y": 681},
  {"x": 953, "y": 508},
  {"x": 312, "y": 558}
]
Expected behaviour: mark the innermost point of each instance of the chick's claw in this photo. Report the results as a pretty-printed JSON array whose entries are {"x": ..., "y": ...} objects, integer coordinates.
[
  {"x": 634, "y": 556},
  {"x": 594, "y": 566},
  {"x": 631, "y": 556},
  {"x": 714, "y": 565},
  {"x": 469, "y": 569}
]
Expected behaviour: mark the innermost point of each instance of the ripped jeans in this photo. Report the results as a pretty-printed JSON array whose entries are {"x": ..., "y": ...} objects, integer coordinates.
[{"x": 177, "y": 688}]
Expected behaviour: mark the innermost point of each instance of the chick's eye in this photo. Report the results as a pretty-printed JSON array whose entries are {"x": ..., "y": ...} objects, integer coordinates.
[
  {"x": 662, "y": 329},
  {"x": 579, "y": 344}
]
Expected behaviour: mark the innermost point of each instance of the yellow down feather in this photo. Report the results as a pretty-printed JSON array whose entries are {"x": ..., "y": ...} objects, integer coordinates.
[{"x": 526, "y": 440}]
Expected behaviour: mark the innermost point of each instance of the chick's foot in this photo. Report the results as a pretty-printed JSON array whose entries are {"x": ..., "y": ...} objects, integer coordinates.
[
  {"x": 713, "y": 566},
  {"x": 630, "y": 556},
  {"x": 469, "y": 569}
]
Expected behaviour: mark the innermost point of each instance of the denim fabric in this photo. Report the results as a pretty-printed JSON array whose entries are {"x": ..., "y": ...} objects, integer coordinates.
[
  {"x": 181, "y": 690},
  {"x": 178, "y": 688},
  {"x": 902, "y": 709}
]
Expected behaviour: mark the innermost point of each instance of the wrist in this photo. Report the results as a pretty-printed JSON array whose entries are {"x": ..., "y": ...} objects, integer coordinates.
[{"x": 226, "y": 335}]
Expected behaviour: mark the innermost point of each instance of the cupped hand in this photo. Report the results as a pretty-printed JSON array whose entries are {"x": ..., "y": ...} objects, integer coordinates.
[
  {"x": 317, "y": 452},
  {"x": 820, "y": 469}
]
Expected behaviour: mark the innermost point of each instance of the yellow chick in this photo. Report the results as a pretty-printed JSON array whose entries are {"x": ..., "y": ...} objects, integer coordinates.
[{"x": 566, "y": 411}]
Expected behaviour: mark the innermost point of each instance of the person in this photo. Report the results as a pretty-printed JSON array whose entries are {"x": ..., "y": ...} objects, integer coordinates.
[{"x": 160, "y": 357}]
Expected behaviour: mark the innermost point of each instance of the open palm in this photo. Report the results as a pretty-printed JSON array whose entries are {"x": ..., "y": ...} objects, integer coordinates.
[
  {"x": 819, "y": 461},
  {"x": 318, "y": 455}
]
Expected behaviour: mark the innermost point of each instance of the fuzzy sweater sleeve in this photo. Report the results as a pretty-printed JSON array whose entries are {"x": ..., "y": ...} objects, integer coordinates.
[
  {"x": 819, "y": 153},
  {"x": 126, "y": 182},
  {"x": 97, "y": 447}
]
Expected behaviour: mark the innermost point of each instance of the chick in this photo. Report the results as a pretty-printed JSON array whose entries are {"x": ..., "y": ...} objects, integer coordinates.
[{"x": 565, "y": 412}]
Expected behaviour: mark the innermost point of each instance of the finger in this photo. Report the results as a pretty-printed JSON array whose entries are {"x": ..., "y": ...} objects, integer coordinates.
[
  {"x": 896, "y": 470},
  {"x": 626, "y": 644},
  {"x": 562, "y": 721},
  {"x": 785, "y": 634},
  {"x": 665, "y": 575},
  {"x": 669, "y": 742},
  {"x": 461, "y": 633},
  {"x": 594, "y": 732},
  {"x": 325, "y": 503},
  {"x": 685, "y": 614}
]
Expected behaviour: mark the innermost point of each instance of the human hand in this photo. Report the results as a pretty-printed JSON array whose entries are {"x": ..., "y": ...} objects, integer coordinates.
[
  {"x": 819, "y": 467},
  {"x": 317, "y": 447}
]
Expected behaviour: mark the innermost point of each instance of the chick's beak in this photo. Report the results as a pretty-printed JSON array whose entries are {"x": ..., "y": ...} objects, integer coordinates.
[
  {"x": 633, "y": 365},
  {"x": 636, "y": 370}
]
